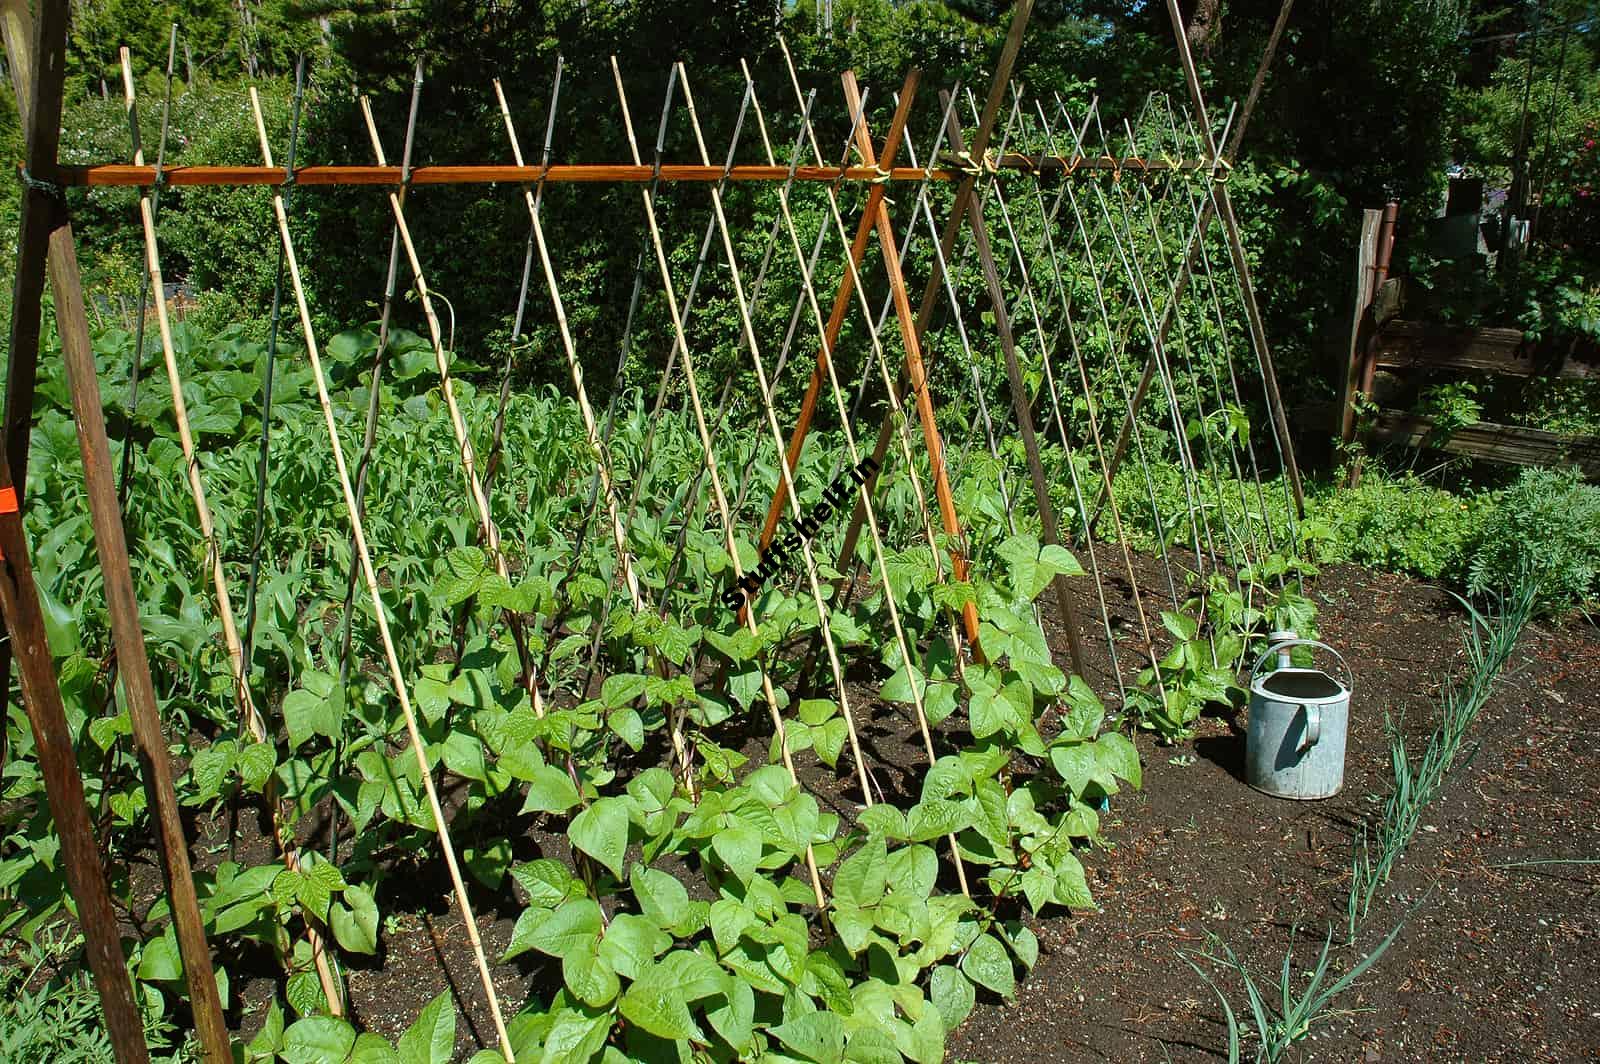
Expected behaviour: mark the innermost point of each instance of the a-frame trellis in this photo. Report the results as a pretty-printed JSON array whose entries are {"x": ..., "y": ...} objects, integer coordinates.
[{"x": 1026, "y": 298}]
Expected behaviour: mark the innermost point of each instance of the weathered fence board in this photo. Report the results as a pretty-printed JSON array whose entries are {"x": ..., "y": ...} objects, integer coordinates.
[{"x": 1508, "y": 352}]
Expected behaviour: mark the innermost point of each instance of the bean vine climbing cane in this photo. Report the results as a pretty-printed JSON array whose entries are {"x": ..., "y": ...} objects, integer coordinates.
[
  {"x": 379, "y": 611},
  {"x": 706, "y": 442}
]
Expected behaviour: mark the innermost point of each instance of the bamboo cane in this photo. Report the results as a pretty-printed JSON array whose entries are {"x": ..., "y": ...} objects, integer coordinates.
[
  {"x": 125, "y": 477},
  {"x": 250, "y": 717},
  {"x": 1095, "y": 276},
  {"x": 391, "y": 655},
  {"x": 858, "y": 137},
  {"x": 592, "y": 434},
  {"x": 475, "y": 490},
  {"x": 718, "y": 494},
  {"x": 1046, "y": 349},
  {"x": 369, "y": 439},
  {"x": 772, "y": 423}
]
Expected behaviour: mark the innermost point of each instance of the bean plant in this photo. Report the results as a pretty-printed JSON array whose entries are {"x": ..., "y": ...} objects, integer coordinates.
[{"x": 681, "y": 926}]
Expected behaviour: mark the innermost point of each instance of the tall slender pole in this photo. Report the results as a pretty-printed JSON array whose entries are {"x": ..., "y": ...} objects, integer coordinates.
[
  {"x": 718, "y": 495},
  {"x": 952, "y": 226},
  {"x": 369, "y": 438},
  {"x": 379, "y": 612},
  {"x": 1241, "y": 266},
  {"x": 257, "y": 540},
  {"x": 808, "y": 562},
  {"x": 1229, "y": 156},
  {"x": 39, "y": 106},
  {"x": 1021, "y": 408},
  {"x": 125, "y": 478}
]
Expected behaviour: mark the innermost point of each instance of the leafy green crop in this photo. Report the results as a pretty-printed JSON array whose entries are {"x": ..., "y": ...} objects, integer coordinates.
[{"x": 676, "y": 922}]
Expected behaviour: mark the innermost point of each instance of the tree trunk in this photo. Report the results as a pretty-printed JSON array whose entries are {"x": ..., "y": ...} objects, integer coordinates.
[{"x": 1204, "y": 26}]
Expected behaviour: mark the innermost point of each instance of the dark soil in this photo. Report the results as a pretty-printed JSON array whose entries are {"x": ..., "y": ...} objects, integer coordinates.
[{"x": 1494, "y": 962}]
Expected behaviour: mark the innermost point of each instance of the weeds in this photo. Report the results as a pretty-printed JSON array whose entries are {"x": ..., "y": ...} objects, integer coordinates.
[{"x": 49, "y": 1010}]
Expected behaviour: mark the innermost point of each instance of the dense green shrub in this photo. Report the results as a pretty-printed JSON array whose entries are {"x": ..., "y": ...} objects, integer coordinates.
[
  {"x": 1401, "y": 524},
  {"x": 1551, "y": 519}
]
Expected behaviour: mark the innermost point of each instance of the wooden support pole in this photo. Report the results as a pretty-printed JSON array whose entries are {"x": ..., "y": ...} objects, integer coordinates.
[
  {"x": 1119, "y": 450},
  {"x": 1022, "y": 407},
  {"x": 915, "y": 372},
  {"x": 947, "y": 242},
  {"x": 19, "y": 598},
  {"x": 113, "y": 175},
  {"x": 63, "y": 788},
  {"x": 1241, "y": 266},
  {"x": 1380, "y": 273},
  {"x": 40, "y": 107},
  {"x": 841, "y": 306},
  {"x": 1366, "y": 261}
]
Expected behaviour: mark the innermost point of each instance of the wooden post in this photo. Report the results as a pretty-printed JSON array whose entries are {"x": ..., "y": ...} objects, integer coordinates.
[
  {"x": 63, "y": 788},
  {"x": 1372, "y": 267},
  {"x": 841, "y": 306},
  {"x": 1241, "y": 266},
  {"x": 1021, "y": 406},
  {"x": 915, "y": 372},
  {"x": 1120, "y": 448},
  {"x": 1380, "y": 272},
  {"x": 1366, "y": 262},
  {"x": 19, "y": 598},
  {"x": 947, "y": 242},
  {"x": 40, "y": 108}
]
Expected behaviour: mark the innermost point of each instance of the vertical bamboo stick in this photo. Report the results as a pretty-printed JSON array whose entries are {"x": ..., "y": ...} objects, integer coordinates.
[
  {"x": 597, "y": 446},
  {"x": 777, "y": 435},
  {"x": 879, "y": 554},
  {"x": 469, "y": 471},
  {"x": 250, "y": 717},
  {"x": 251, "y": 720},
  {"x": 369, "y": 438},
  {"x": 391, "y": 655},
  {"x": 1020, "y": 407},
  {"x": 707, "y": 444}
]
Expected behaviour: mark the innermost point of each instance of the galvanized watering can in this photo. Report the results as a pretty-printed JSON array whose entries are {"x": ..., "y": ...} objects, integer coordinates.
[{"x": 1298, "y": 721}]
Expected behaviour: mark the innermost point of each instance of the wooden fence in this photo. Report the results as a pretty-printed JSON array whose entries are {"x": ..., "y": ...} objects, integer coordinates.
[{"x": 1380, "y": 339}]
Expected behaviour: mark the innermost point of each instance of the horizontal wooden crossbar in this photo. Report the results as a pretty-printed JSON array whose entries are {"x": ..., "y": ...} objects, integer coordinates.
[
  {"x": 1508, "y": 352},
  {"x": 119, "y": 174},
  {"x": 1510, "y": 444}
]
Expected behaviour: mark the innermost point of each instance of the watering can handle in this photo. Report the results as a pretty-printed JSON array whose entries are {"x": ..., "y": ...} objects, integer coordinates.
[
  {"x": 1313, "y": 727},
  {"x": 1349, "y": 676}
]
